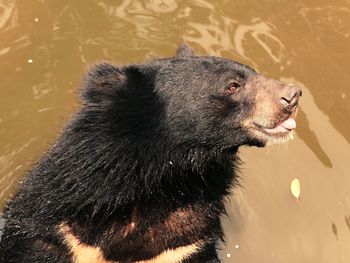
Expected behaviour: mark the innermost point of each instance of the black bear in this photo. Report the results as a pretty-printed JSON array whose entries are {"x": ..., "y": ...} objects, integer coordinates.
[{"x": 141, "y": 172}]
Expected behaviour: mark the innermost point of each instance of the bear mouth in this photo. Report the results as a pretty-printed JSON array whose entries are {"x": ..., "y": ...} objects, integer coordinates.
[
  {"x": 276, "y": 133},
  {"x": 281, "y": 129}
]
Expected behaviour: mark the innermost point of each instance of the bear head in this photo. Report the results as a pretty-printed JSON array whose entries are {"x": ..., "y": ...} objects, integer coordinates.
[{"x": 191, "y": 101}]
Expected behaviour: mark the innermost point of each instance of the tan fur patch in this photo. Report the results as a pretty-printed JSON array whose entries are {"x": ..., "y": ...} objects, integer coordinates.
[
  {"x": 176, "y": 255},
  {"x": 82, "y": 253}
]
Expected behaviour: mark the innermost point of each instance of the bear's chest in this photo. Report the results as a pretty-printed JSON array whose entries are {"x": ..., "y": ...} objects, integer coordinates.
[{"x": 149, "y": 235}]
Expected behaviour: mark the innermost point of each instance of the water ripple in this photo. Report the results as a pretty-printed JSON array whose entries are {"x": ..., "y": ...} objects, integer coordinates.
[
  {"x": 261, "y": 32},
  {"x": 7, "y": 12}
]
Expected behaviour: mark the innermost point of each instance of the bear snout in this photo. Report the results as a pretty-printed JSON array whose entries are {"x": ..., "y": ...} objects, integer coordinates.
[{"x": 290, "y": 97}]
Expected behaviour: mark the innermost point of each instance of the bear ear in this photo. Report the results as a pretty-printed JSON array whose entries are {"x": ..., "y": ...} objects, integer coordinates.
[
  {"x": 101, "y": 82},
  {"x": 184, "y": 51}
]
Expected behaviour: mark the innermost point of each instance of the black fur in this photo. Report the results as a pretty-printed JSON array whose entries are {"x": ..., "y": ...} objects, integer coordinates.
[{"x": 155, "y": 143}]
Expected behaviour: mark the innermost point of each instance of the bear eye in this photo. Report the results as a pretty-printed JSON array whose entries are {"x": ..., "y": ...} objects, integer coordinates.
[{"x": 233, "y": 87}]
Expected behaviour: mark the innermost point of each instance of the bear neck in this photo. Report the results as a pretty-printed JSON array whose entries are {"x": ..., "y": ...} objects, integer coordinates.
[{"x": 112, "y": 172}]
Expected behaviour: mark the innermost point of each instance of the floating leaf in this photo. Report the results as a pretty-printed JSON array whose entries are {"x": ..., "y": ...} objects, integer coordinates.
[{"x": 295, "y": 188}]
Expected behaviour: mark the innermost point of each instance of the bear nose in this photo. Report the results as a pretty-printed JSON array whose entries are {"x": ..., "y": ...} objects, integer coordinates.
[{"x": 291, "y": 96}]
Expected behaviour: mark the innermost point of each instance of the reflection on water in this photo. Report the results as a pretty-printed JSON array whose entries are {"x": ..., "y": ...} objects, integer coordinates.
[
  {"x": 45, "y": 46},
  {"x": 7, "y": 9},
  {"x": 261, "y": 33}
]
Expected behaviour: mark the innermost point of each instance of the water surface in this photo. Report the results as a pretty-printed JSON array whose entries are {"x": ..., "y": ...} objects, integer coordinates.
[{"x": 46, "y": 45}]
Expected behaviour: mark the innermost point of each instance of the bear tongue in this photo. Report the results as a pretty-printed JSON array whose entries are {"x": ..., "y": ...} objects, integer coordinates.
[
  {"x": 288, "y": 124},
  {"x": 285, "y": 126}
]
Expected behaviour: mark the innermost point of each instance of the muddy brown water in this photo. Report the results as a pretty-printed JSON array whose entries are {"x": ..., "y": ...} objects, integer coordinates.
[{"x": 46, "y": 45}]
